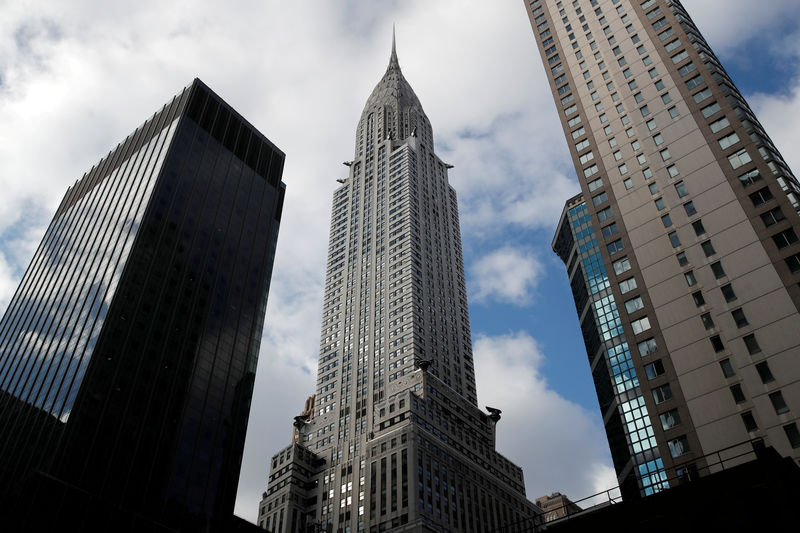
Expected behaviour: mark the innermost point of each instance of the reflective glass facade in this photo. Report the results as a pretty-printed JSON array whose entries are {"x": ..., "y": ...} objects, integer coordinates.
[
  {"x": 128, "y": 354},
  {"x": 607, "y": 345}
]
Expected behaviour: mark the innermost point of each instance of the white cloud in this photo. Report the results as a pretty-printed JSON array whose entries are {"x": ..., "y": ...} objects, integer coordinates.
[
  {"x": 77, "y": 77},
  {"x": 559, "y": 444},
  {"x": 507, "y": 274},
  {"x": 778, "y": 114},
  {"x": 726, "y": 26}
]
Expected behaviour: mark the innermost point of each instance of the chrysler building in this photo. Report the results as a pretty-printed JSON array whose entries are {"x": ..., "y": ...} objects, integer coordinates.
[{"x": 394, "y": 438}]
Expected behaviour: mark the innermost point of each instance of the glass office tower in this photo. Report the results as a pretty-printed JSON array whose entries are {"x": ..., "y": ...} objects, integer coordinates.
[
  {"x": 695, "y": 215},
  {"x": 128, "y": 352},
  {"x": 394, "y": 438}
]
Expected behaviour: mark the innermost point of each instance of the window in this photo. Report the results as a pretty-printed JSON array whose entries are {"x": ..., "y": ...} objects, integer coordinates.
[
  {"x": 570, "y": 110},
  {"x": 738, "y": 393},
  {"x": 673, "y": 238},
  {"x": 719, "y": 125},
  {"x": 728, "y": 293},
  {"x": 590, "y": 171},
  {"x": 673, "y": 112},
  {"x": 659, "y": 85},
  {"x": 647, "y": 347},
  {"x": 672, "y": 45},
  {"x": 764, "y": 372},
  {"x": 708, "y": 322},
  {"x": 705, "y": 94},
  {"x": 574, "y": 121},
  {"x": 654, "y": 190},
  {"x": 628, "y": 183},
  {"x": 716, "y": 343},
  {"x": 679, "y": 446},
  {"x": 772, "y": 217},
  {"x": 680, "y": 187},
  {"x": 687, "y": 68},
  {"x": 660, "y": 23},
  {"x": 694, "y": 82},
  {"x": 654, "y": 13},
  {"x": 666, "y": 98},
  {"x": 785, "y": 238},
  {"x": 690, "y": 279},
  {"x": 728, "y": 141},
  {"x": 621, "y": 265},
  {"x": 711, "y": 110},
  {"x": 647, "y": 173},
  {"x": 681, "y": 257},
  {"x": 749, "y": 178},
  {"x": 580, "y": 132},
  {"x": 708, "y": 248},
  {"x": 634, "y": 304},
  {"x": 662, "y": 394},
  {"x": 623, "y": 169},
  {"x": 627, "y": 285},
  {"x": 670, "y": 419},
  {"x": 793, "y": 262},
  {"x": 615, "y": 247},
  {"x": 610, "y": 230},
  {"x": 727, "y": 368},
  {"x": 643, "y": 324},
  {"x": 654, "y": 369},
  {"x": 599, "y": 199},
  {"x": 666, "y": 34},
  {"x": 717, "y": 269},
  {"x": 658, "y": 139},
  {"x": 792, "y": 434},
  {"x": 595, "y": 184},
  {"x": 689, "y": 208},
  {"x": 749, "y": 421},
  {"x": 629, "y": 132},
  {"x": 752, "y": 344},
  {"x": 739, "y": 158},
  {"x": 585, "y": 158},
  {"x": 698, "y": 298},
  {"x": 582, "y": 145},
  {"x": 673, "y": 171},
  {"x": 666, "y": 220},
  {"x": 739, "y": 318},
  {"x": 638, "y": 97},
  {"x": 698, "y": 227},
  {"x": 604, "y": 214},
  {"x": 665, "y": 155},
  {"x": 645, "y": 110},
  {"x": 612, "y": 142},
  {"x": 778, "y": 402},
  {"x": 680, "y": 56},
  {"x": 632, "y": 85}
]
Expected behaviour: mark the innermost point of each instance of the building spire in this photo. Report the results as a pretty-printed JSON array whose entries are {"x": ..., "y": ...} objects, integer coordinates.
[{"x": 393, "y": 58}]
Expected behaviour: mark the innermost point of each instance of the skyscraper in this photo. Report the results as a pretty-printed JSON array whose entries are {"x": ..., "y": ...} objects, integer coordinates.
[
  {"x": 396, "y": 439},
  {"x": 128, "y": 352},
  {"x": 682, "y": 249}
]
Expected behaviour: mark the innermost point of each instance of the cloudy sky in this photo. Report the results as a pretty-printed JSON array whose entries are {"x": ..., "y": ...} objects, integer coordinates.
[{"x": 76, "y": 77}]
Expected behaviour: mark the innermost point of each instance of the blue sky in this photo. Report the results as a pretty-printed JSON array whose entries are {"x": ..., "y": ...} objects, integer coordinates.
[{"x": 76, "y": 79}]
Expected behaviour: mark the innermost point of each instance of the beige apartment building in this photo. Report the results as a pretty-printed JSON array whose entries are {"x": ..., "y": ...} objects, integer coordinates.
[{"x": 682, "y": 248}]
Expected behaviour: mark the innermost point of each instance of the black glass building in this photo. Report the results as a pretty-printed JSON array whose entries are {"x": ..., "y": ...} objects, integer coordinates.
[{"x": 128, "y": 352}]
